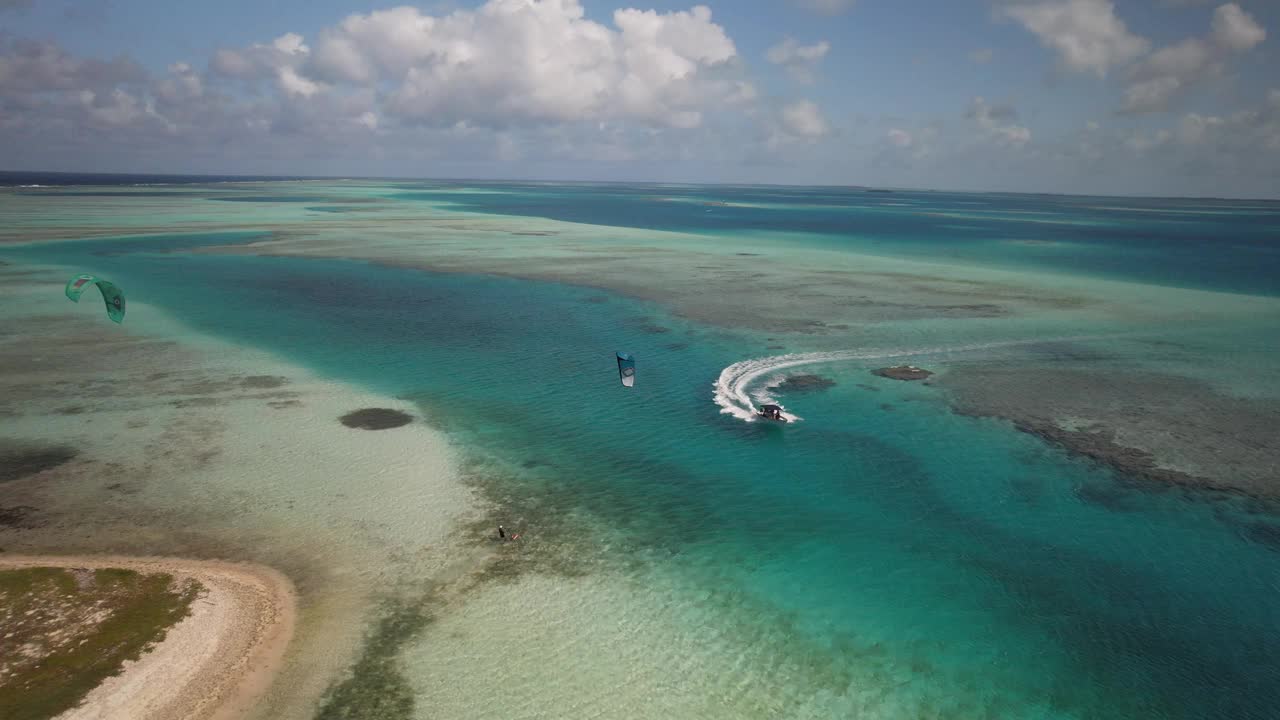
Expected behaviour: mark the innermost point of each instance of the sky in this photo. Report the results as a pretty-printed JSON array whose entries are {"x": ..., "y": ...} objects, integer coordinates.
[{"x": 1117, "y": 97}]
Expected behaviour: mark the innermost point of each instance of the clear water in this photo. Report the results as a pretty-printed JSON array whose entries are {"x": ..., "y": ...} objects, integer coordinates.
[{"x": 912, "y": 562}]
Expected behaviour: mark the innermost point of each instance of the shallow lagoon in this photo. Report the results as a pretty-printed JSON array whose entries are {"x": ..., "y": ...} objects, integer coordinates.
[{"x": 884, "y": 557}]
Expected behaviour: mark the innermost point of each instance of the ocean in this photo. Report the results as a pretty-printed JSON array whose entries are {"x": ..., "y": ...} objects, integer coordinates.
[{"x": 1056, "y": 524}]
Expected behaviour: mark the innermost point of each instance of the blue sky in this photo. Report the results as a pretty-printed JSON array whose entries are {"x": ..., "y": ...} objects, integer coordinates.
[{"x": 1176, "y": 97}]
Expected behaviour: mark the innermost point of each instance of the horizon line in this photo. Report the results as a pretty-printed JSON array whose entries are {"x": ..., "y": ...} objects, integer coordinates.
[{"x": 247, "y": 177}]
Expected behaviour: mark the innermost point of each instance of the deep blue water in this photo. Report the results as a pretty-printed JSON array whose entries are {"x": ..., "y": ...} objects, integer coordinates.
[
  {"x": 18, "y": 178},
  {"x": 1229, "y": 245},
  {"x": 1214, "y": 244},
  {"x": 873, "y": 539}
]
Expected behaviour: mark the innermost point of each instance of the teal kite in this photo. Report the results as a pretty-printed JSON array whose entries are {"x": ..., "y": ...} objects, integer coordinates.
[{"x": 110, "y": 294}]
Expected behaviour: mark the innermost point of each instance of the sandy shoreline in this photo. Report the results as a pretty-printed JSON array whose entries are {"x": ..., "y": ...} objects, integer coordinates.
[
  {"x": 215, "y": 663},
  {"x": 201, "y": 448}
]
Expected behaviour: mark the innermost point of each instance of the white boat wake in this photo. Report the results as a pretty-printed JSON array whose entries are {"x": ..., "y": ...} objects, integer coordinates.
[{"x": 735, "y": 397}]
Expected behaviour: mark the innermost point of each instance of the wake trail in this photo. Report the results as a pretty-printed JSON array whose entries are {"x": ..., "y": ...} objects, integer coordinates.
[{"x": 732, "y": 392}]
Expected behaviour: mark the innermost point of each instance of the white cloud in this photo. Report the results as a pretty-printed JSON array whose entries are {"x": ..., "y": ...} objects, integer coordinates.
[
  {"x": 282, "y": 61},
  {"x": 1184, "y": 58},
  {"x": 512, "y": 61},
  {"x": 990, "y": 118},
  {"x": 28, "y": 66},
  {"x": 1239, "y": 148},
  {"x": 400, "y": 84},
  {"x": 115, "y": 108},
  {"x": 384, "y": 43},
  {"x": 1169, "y": 72},
  {"x": 1152, "y": 95},
  {"x": 1087, "y": 34},
  {"x": 1235, "y": 29},
  {"x": 800, "y": 60},
  {"x": 317, "y": 109},
  {"x": 408, "y": 88},
  {"x": 182, "y": 82},
  {"x": 803, "y": 119},
  {"x": 294, "y": 84},
  {"x": 827, "y": 7},
  {"x": 290, "y": 44}
]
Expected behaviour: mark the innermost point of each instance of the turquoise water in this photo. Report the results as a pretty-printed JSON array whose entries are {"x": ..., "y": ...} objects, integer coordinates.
[
  {"x": 1210, "y": 244},
  {"x": 948, "y": 566}
]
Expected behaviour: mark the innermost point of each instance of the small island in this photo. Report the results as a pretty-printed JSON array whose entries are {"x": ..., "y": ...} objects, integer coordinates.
[
  {"x": 71, "y": 628},
  {"x": 139, "y": 638},
  {"x": 902, "y": 372}
]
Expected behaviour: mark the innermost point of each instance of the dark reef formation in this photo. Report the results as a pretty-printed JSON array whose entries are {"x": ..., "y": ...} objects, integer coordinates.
[
  {"x": 20, "y": 461},
  {"x": 376, "y": 419},
  {"x": 1155, "y": 430},
  {"x": 902, "y": 372}
]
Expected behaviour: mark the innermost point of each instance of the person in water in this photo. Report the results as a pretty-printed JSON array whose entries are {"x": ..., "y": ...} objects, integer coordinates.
[{"x": 502, "y": 534}]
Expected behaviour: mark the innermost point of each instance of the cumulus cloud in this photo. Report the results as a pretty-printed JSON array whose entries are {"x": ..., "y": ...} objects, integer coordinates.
[
  {"x": 1087, "y": 34},
  {"x": 634, "y": 94},
  {"x": 514, "y": 60},
  {"x": 997, "y": 122},
  {"x": 1225, "y": 154},
  {"x": 800, "y": 60},
  {"x": 116, "y": 108},
  {"x": 827, "y": 7},
  {"x": 1235, "y": 29},
  {"x": 1254, "y": 132},
  {"x": 282, "y": 61},
  {"x": 1169, "y": 72},
  {"x": 528, "y": 79},
  {"x": 28, "y": 66},
  {"x": 803, "y": 119},
  {"x": 182, "y": 83}
]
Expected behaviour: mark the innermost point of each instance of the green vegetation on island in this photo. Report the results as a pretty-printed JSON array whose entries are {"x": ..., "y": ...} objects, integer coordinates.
[{"x": 66, "y": 630}]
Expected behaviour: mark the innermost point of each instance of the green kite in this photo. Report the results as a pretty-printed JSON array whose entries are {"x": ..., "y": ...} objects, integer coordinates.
[{"x": 110, "y": 294}]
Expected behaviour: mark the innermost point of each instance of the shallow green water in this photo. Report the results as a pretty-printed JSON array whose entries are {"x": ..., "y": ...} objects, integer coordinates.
[{"x": 915, "y": 562}]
